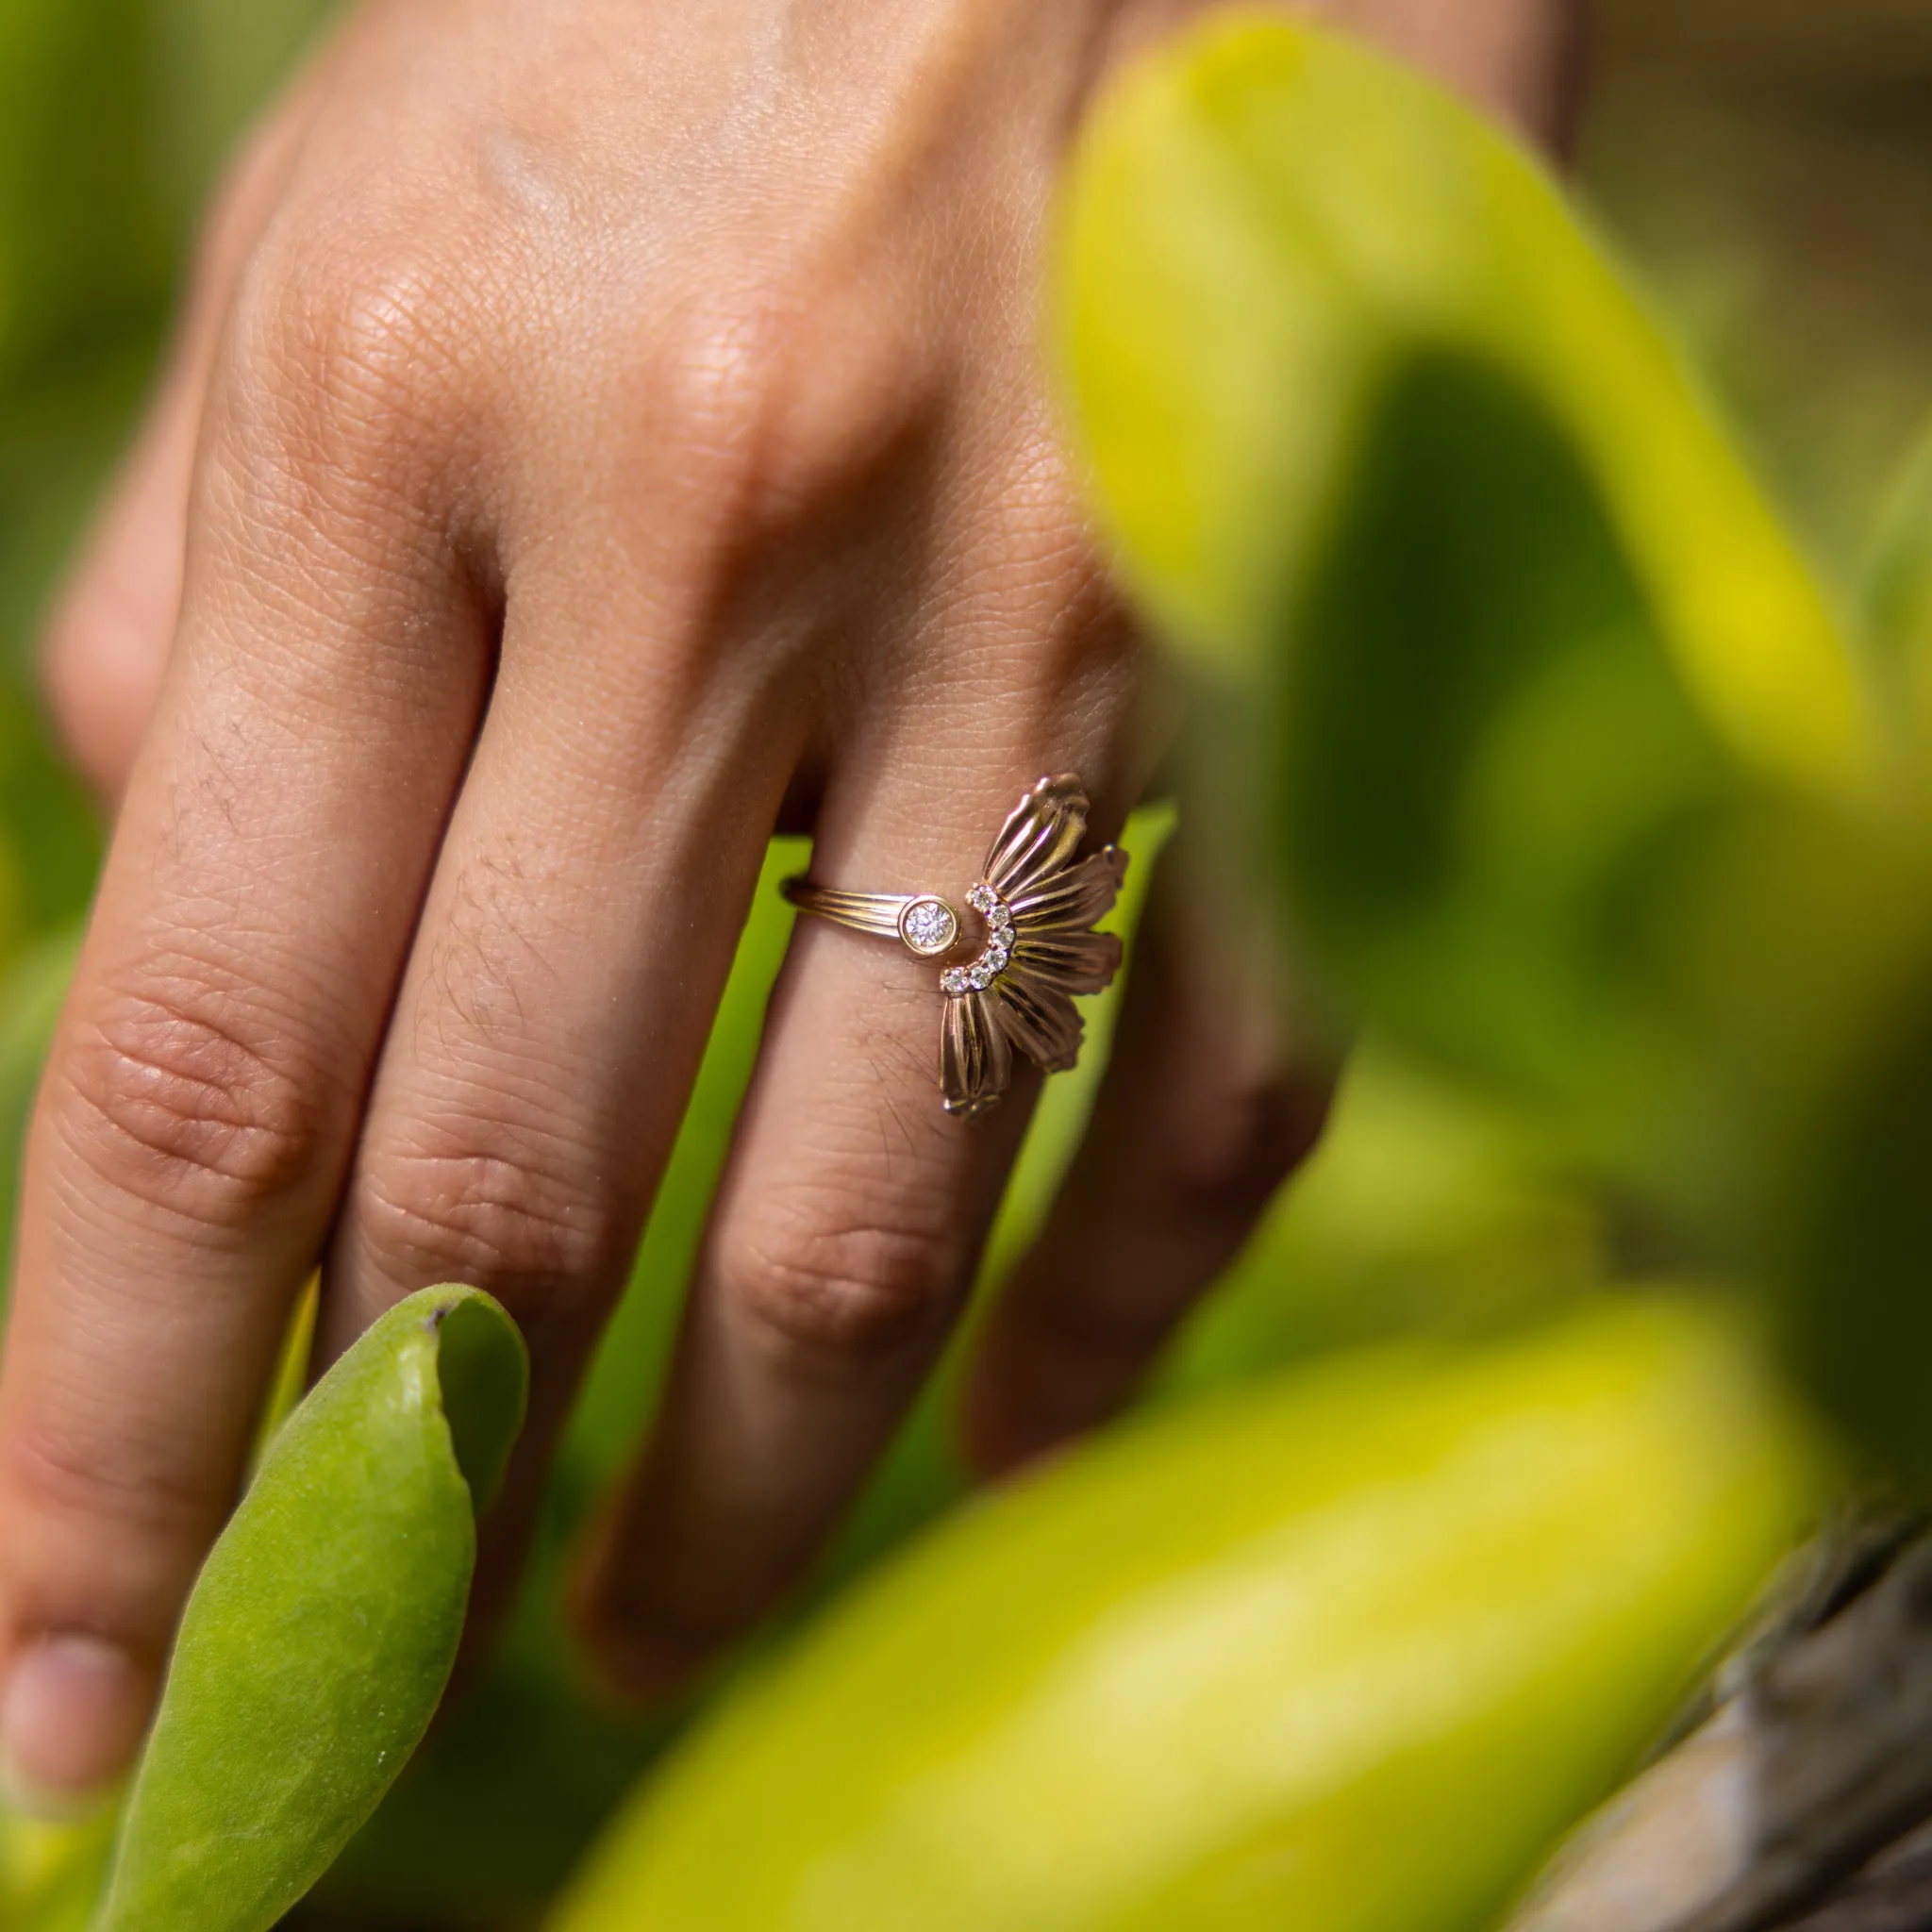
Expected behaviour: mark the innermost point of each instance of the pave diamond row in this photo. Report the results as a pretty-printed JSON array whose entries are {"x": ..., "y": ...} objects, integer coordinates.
[{"x": 999, "y": 945}]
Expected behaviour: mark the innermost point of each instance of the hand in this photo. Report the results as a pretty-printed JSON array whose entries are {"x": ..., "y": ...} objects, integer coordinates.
[{"x": 601, "y": 434}]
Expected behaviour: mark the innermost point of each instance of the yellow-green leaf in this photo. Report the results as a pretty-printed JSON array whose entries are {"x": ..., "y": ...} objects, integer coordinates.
[
  {"x": 1345, "y": 1652},
  {"x": 1263, "y": 216}
]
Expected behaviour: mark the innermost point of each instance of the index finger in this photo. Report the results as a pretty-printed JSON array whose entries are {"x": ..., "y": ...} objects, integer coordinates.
[{"x": 207, "y": 1072}]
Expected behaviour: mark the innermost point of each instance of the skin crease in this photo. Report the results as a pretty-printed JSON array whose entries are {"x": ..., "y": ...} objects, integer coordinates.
[{"x": 598, "y": 434}]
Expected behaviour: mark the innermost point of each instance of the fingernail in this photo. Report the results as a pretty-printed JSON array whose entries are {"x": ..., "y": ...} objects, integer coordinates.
[{"x": 71, "y": 1717}]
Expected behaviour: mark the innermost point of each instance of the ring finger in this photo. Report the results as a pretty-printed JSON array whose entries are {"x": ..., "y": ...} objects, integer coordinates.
[{"x": 852, "y": 1212}]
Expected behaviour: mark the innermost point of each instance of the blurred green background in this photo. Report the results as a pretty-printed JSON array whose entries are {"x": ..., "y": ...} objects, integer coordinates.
[{"x": 1768, "y": 167}]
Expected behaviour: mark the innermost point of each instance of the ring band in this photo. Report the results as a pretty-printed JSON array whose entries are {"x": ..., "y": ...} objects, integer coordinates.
[
  {"x": 923, "y": 921},
  {"x": 1037, "y": 905}
]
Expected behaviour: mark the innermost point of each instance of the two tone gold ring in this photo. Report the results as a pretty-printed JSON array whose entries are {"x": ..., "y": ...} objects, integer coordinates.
[{"x": 1034, "y": 907}]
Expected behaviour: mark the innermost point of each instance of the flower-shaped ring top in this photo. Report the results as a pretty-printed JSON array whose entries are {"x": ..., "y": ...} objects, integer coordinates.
[{"x": 1037, "y": 902}]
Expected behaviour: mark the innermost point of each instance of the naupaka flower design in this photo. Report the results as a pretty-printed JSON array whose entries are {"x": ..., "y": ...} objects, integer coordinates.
[{"x": 1039, "y": 903}]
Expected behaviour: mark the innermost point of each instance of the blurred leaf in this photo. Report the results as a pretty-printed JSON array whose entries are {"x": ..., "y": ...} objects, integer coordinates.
[
  {"x": 1258, "y": 221},
  {"x": 51, "y": 1873},
  {"x": 1542, "y": 721},
  {"x": 1898, "y": 564},
  {"x": 1423, "y": 1211},
  {"x": 1348, "y": 1652},
  {"x": 322, "y": 1627},
  {"x": 85, "y": 242},
  {"x": 1898, "y": 595},
  {"x": 1848, "y": 1240},
  {"x": 1479, "y": 749}
]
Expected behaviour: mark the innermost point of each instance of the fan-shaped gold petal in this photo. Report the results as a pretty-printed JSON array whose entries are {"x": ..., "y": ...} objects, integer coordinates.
[
  {"x": 976, "y": 1061},
  {"x": 1075, "y": 898},
  {"x": 1068, "y": 962},
  {"x": 1040, "y": 834},
  {"x": 1043, "y": 1023}
]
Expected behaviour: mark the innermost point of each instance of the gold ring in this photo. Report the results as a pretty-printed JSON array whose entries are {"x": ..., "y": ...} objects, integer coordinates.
[{"x": 1036, "y": 904}]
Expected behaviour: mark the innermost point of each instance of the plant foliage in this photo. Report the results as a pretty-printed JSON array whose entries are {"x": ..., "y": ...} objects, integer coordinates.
[{"x": 1597, "y": 818}]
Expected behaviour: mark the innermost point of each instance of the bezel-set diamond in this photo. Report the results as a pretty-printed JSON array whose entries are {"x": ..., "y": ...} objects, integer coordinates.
[{"x": 929, "y": 927}]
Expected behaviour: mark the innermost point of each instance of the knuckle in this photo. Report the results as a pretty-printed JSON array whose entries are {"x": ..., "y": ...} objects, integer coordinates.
[
  {"x": 91, "y": 625},
  {"x": 779, "y": 398},
  {"x": 823, "y": 1284},
  {"x": 501, "y": 1218},
  {"x": 57, "y": 1473},
  {"x": 1248, "y": 1145},
  {"x": 102, "y": 654},
  {"x": 187, "y": 1097},
  {"x": 348, "y": 344}
]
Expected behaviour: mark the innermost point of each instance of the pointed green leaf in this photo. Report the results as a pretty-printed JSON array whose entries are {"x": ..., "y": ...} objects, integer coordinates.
[
  {"x": 321, "y": 1631},
  {"x": 1345, "y": 1652}
]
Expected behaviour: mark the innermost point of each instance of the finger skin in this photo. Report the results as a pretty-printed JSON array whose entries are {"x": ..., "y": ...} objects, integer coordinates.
[
  {"x": 1205, "y": 1109},
  {"x": 553, "y": 1014},
  {"x": 849, "y": 1223},
  {"x": 202, "y": 1095}
]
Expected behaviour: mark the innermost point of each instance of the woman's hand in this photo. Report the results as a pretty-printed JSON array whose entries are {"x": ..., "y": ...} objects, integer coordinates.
[{"x": 601, "y": 433}]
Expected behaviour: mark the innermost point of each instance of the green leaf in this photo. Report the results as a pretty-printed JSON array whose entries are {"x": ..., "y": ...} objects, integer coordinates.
[
  {"x": 1257, "y": 224},
  {"x": 1348, "y": 1652},
  {"x": 1478, "y": 751},
  {"x": 1423, "y": 1211},
  {"x": 1849, "y": 1231},
  {"x": 323, "y": 1628},
  {"x": 1526, "y": 703}
]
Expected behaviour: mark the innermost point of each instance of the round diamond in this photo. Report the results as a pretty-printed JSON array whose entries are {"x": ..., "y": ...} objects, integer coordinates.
[
  {"x": 953, "y": 980},
  {"x": 979, "y": 974},
  {"x": 929, "y": 927}
]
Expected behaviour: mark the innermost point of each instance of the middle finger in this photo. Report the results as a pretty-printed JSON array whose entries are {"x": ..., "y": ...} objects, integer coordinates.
[{"x": 578, "y": 928}]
